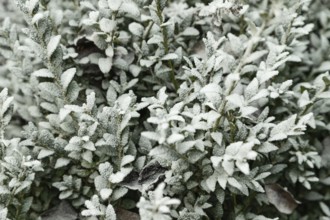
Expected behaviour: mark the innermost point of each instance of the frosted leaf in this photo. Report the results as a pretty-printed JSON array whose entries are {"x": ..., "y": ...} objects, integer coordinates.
[
  {"x": 43, "y": 73},
  {"x": 67, "y": 77},
  {"x": 255, "y": 56},
  {"x": 107, "y": 25},
  {"x": 136, "y": 29},
  {"x": 130, "y": 8},
  {"x": 114, "y": 5},
  {"x": 110, "y": 213},
  {"x": 280, "y": 131},
  {"x": 53, "y": 44},
  {"x": 105, "y": 193},
  {"x": 324, "y": 95},
  {"x": 105, "y": 64},
  {"x": 174, "y": 138},
  {"x": 61, "y": 162},
  {"x": 252, "y": 89},
  {"x": 126, "y": 160},
  {"x": 304, "y": 99},
  {"x": 190, "y": 31},
  {"x": 50, "y": 88},
  {"x": 212, "y": 91},
  {"x": 155, "y": 39},
  {"x": 45, "y": 153},
  {"x": 185, "y": 146},
  {"x": 170, "y": 56}
]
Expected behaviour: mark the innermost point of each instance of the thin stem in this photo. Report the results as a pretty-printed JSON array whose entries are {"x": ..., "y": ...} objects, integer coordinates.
[
  {"x": 166, "y": 45},
  {"x": 246, "y": 54}
]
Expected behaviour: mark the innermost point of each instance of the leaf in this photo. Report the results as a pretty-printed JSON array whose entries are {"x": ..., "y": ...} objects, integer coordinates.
[
  {"x": 105, "y": 193},
  {"x": 325, "y": 66},
  {"x": 190, "y": 31},
  {"x": 175, "y": 138},
  {"x": 324, "y": 95},
  {"x": 136, "y": 29},
  {"x": 212, "y": 91},
  {"x": 45, "y": 153},
  {"x": 43, "y": 73},
  {"x": 107, "y": 25},
  {"x": 255, "y": 56},
  {"x": 267, "y": 147},
  {"x": 155, "y": 39},
  {"x": 170, "y": 56},
  {"x": 325, "y": 209},
  {"x": 105, "y": 64},
  {"x": 304, "y": 99},
  {"x": 280, "y": 131},
  {"x": 114, "y": 5},
  {"x": 217, "y": 137},
  {"x": 110, "y": 213},
  {"x": 130, "y": 8},
  {"x": 53, "y": 44},
  {"x": 67, "y": 77},
  {"x": 280, "y": 198},
  {"x": 126, "y": 160},
  {"x": 252, "y": 89},
  {"x": 50, "y": 88},
  {"x": 63, "y": 211},
  {"x": 61, "y": 162},
  {"x": 183, "y": 147}
]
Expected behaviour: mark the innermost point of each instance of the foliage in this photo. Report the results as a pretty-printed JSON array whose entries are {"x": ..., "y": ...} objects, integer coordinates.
[{"x": 164, "y": 109}]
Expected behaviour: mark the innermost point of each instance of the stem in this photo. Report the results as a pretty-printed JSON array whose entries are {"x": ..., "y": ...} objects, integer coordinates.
[
  {"x": 246, "y": 54},
  {"x": 166, "y": 45}
]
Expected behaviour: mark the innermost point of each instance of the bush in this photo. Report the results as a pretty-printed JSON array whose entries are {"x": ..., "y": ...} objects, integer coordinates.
[{"x": 164, "y": 109}]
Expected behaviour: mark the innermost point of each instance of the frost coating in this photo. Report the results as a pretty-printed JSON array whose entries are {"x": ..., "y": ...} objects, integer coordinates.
[{"x": 164, "y": 109}]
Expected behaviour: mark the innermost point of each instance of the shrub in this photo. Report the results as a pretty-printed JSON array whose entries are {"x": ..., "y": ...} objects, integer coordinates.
[{"x": 160, "y": 109}]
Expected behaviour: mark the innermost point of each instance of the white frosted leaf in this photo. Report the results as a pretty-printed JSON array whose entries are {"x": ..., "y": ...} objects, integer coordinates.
[
  {"x": 67, "y": 77},
  {"x": 114, "y": 5},
  {"x": 212, "y": 91},
  {"x": 110, "y": 213},
  {"x": 304, "y": 99},
  {"x": 45, "y": 153},
  {"x": 190, "y": 31},
  {"x": 217, "y": 137},
  {"x": 43, "y": 73},
  {"x": 126, "y": 160},
  {"x": 61, "y": 162},
  {"x": 136, "y": 29},
  {"x": 243, "y": 166},
  {"x": 255, "y": 56},
  {"x": 107, "y": 25},
  {"x": 130, "y": 8},
  {"x": 170, "y": 56},
  {"x": 50, "y": 88},
  {"x": 105, "y": 64},
  {"x": 53, "y": 44},
  {"x": 252, "y": 89},
  {"x": 175, "y": 138},
  {"x": 151, "y": 135},
  {"x": 185, "y": 146},
  {"x": 280, "y": 131}
]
